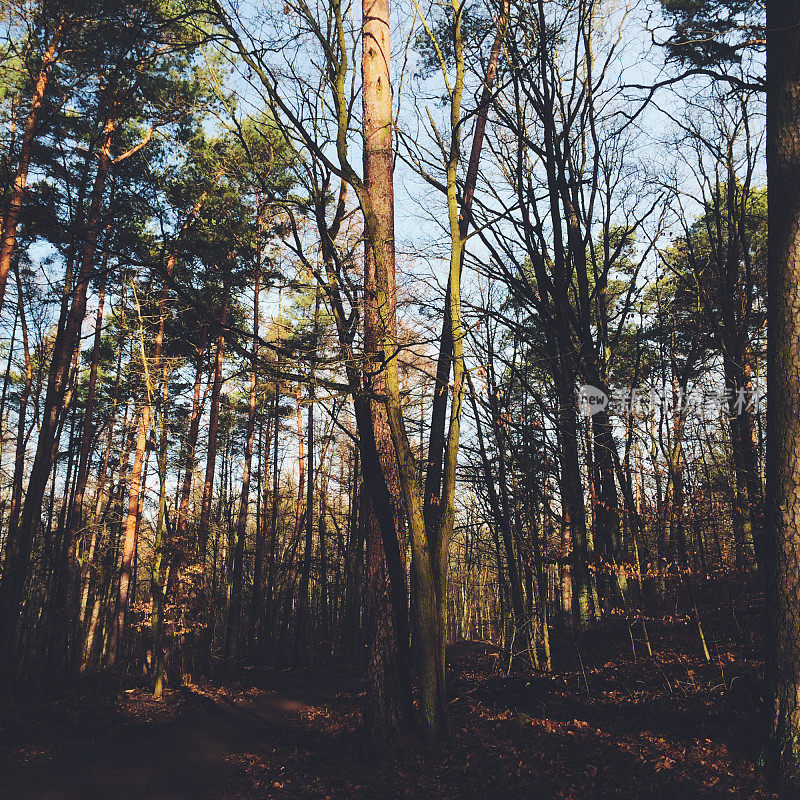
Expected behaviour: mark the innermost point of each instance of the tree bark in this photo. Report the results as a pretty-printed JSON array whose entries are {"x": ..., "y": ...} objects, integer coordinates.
[
  {"x": 211, "y": 457},
  {"x": 66, "y": 607},
  {"x": 302, "y": 642},
  {"x": 12, "y": 584},
  {"x": 190, "y": 448},
  {"x": 19, "y": 453},
  {"x": 783, "y": 388},
  {"x": 386, "y": 706},
  {"x": 235, "y": 609},
  {"x": 130, "y": 538},
  {"x": 16, "y": 199}
]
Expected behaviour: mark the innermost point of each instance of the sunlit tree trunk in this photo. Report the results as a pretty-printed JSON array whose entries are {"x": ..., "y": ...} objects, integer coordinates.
[
  {"x": 12, "y": 584},
  {"x": 386, "y": 705},
  {"x": 17, "y": 196},
  {"x": 130, "y": 538},
  {"x": 100, "y": 506},
  {"x": 438, "y": 501},
  {"x": 67, "y": 645},
  {"x": 272, "y": 548},
  {"x": 19, "y": 452}
]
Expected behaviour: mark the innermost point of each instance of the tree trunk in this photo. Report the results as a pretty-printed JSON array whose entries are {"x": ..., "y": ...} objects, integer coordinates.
[
  {"x": 67, "y": 646},
  {"x": 749, "y": 490},
  {"x": 15, "y": 203},
  {"x": 258, "y": 598},
  {"x": 19, "y": 454},
  {"x": 387, "y": 635},
  {"x": 270, "y": 594},
  {"x": 130, "y": 539},
  {"x": 783, "y": 388},
  {"x": 235, "y": 609},
  {"x": 302, "y": 642},
  {"x": 211, "y": 457},
  {"x": 572, "y": 501},
  {"x": 190, "y": 449},
  {"x": 12, "y": 584}
]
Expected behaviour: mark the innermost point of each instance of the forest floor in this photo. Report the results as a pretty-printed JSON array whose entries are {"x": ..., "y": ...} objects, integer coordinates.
[{"x": 606, "y": 725}]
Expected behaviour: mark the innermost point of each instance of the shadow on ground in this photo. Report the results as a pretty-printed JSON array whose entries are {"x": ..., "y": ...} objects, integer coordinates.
[{"x": 611, "y": 726}]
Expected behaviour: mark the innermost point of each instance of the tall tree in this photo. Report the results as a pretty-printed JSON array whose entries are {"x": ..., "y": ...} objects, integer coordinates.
[
  {"x": 52, "y": 32},
  {"x": 783, "y": 387}
]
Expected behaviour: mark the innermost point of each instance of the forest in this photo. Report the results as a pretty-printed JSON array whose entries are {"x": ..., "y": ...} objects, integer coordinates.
[{"x": 399, "y": 399}]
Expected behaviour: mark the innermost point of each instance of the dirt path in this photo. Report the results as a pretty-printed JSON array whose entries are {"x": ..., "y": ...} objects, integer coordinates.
[{"x": 194, "y": 757}]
